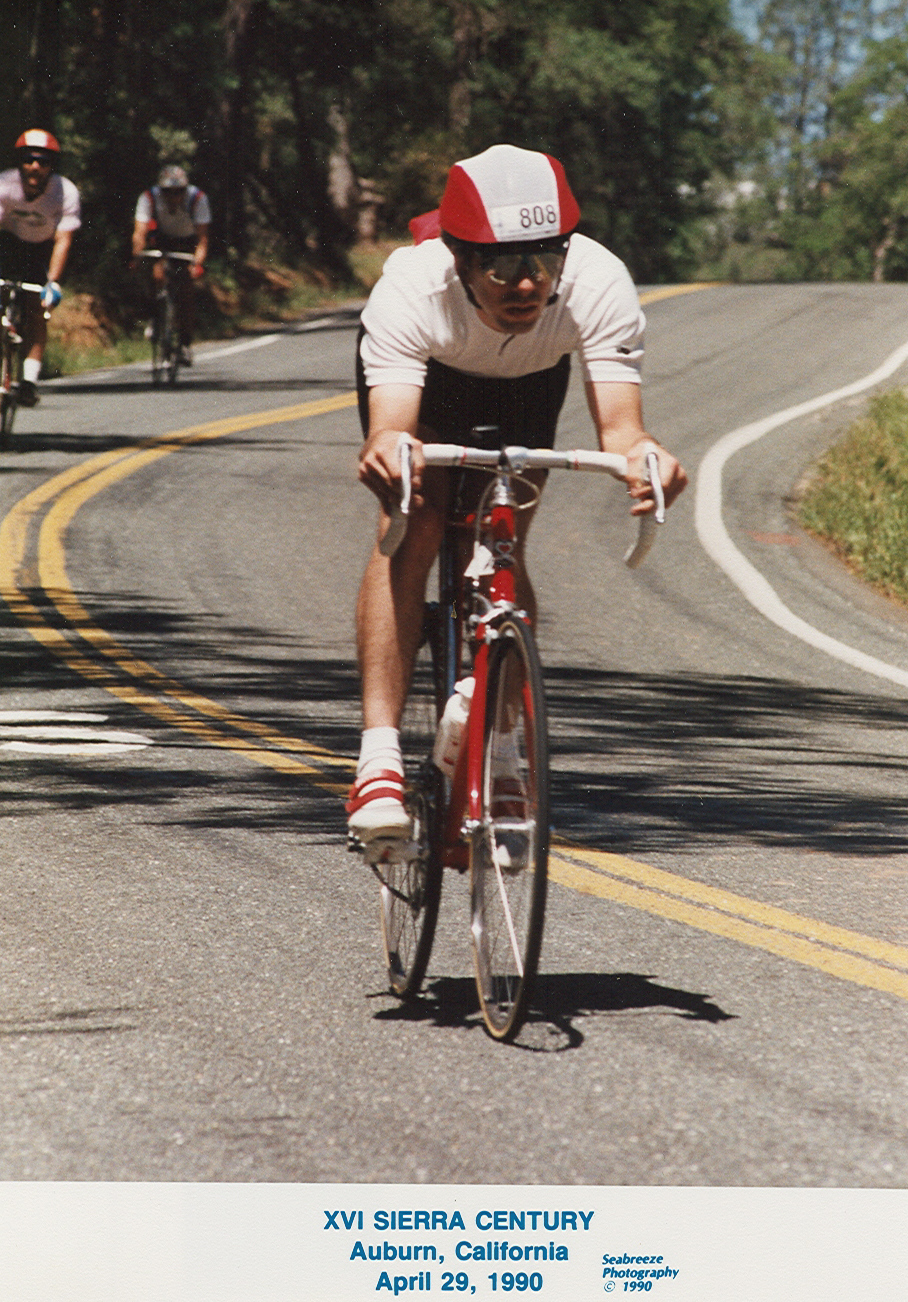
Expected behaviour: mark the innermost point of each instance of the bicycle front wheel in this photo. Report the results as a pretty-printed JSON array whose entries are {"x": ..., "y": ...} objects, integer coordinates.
[
  {"x": 509, "y": 848},
  {"x": 158, "y": 330},
  {"x": 10, "y": 375},
  {"x": 411, "y": 876},
  {"x": 170, "y": 351}
]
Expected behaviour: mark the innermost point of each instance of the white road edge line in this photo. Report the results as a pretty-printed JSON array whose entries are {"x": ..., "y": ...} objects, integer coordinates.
[
  {"x": 230, "y": 349},
  {"x": 719, "y": 546}
]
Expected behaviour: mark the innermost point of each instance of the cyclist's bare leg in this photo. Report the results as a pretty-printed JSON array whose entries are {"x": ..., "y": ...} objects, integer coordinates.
[
  {"x": 389, "y": 613},
  {"x": 34, "y": 333},
  {"x": 389, "y": 627},
  {"x": 35, "y": 328}
]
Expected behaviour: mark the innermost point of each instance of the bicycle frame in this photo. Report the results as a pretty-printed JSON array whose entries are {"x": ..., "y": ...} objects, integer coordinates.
[{"x": 464, "y": 799}]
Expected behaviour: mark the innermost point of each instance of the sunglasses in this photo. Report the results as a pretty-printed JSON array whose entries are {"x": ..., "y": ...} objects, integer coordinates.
[
  {"x": 43, "y": 160},
  {"x": 538, "y": 264}
]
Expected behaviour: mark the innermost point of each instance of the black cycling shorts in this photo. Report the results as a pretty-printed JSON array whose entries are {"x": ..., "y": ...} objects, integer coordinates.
[
  {"x": 524, "y": 409},
  {"x": 21, "y": 260}
]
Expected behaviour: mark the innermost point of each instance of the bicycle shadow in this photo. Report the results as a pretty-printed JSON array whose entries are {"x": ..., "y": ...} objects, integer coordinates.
[{"x": 560, "y": 1000}]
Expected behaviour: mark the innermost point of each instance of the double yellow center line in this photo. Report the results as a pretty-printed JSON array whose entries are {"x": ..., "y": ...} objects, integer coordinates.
[{"x": 112, "y": 667}]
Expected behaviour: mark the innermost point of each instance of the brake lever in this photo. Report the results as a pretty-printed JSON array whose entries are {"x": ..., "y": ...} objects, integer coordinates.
[
  {"x": 397, "y": 528},
  {"x": 646, "y": 534}
]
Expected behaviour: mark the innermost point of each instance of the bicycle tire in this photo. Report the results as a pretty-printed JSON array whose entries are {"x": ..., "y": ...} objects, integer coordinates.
[
  {"x": 169, "y": 345},
  {"x": 411, "y": 881},
  {"x": 158, "y": 324},
  {"x": 509, "y": 848},
  {"x": 10, "y": 375}
]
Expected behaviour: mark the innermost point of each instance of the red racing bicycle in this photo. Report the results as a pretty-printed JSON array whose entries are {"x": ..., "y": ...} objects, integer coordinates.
[{"x": 475, "y": 741}]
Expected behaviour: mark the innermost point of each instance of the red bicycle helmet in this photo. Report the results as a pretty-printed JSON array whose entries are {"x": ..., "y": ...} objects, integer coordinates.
[
  {"x": 35, "y": 139},
  {"x": 507, "y": 195}
]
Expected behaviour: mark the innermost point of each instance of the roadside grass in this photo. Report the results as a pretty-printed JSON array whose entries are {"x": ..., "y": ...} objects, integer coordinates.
[
  {"x": 62, "y": 358},
  {"x": 856, "y": 497}
]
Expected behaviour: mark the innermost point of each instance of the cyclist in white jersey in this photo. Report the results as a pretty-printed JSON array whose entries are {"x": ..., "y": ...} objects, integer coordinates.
[
  {"x": 39, "y": 214},
  {"x": 475, "y": 325}
]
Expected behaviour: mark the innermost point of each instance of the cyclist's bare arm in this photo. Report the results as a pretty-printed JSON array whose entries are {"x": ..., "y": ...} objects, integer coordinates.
[
  {"x": 139, "y": 237},
  {"x": 393, "y": 410},
  {"x": 201, "y": 244},
  {"x": 59, "y": 255},
  {"x": 617, "y": 412}
]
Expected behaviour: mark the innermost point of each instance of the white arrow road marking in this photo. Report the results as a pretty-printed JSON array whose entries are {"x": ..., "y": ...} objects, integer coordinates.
[{"x": 61, "y": 732}]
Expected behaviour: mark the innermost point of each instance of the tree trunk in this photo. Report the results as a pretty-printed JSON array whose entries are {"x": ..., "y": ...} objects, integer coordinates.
[
  {"x": 468, "y": 43},
  {"x": 42, "y": 70},
  {"x": 239, "y": 42},
  {"x": 881, "y": 250}
]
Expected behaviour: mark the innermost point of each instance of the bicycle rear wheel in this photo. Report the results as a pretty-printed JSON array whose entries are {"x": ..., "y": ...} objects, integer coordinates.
[
  {"x": 509, "y": 849},
  {"x": 411, "y": 875}
]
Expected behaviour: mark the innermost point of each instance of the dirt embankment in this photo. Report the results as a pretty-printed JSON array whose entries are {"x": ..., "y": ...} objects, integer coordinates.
[{"x": 81, "y": 323}]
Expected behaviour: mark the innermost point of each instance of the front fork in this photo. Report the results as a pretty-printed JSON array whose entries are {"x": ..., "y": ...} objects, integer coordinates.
[{"x": 495, "y": 559}]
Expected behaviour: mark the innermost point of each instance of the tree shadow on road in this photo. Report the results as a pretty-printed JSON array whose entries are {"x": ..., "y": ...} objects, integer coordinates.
[
  {"x": 642, "y": 764},
  {"x": 659, "y": 763}
]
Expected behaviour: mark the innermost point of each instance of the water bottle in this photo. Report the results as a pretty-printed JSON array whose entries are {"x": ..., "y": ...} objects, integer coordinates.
[{"x": 451, "y": 727}]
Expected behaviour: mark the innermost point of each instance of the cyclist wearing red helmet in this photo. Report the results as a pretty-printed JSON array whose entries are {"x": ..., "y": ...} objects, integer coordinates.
[
  {"x": 476, "y": 326},
  {"x": 39, "y": 213}
]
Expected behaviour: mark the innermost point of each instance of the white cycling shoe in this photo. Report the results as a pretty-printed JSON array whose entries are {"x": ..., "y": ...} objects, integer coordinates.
[{"x": 375, "y": 808}]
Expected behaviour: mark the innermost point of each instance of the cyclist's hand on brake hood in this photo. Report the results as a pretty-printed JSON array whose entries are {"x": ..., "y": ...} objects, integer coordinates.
[
  {"x": 379, "y": 466},
  {"x": 51, "y": 295},
  {"x": 671, "y": 473}
]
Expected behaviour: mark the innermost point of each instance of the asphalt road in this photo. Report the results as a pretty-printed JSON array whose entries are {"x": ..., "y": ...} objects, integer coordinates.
[{"x": 191, "y": 985}]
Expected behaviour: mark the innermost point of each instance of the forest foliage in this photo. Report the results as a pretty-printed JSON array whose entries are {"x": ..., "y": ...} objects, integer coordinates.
[{"x": 697, "y": 143}]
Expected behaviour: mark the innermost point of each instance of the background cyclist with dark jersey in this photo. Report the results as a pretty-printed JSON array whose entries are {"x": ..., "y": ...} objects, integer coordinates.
[
  {"x": 475, "y": 325},
  {"x": 175, "y": 217}
]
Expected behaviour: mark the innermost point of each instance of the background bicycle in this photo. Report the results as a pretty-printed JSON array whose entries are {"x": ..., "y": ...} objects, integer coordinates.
[
  {"x": 11, "y": 348},
  {"x": 475, "y": 741},
  {"x": 166, "y": 352}
]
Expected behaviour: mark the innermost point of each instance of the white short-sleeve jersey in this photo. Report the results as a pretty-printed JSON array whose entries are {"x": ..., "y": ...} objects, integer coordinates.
[
  {"x": 419, "y": 309},
  {"x": 37, "y": 220}
]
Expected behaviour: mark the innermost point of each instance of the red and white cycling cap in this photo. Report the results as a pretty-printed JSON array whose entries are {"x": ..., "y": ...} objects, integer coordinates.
[
  {"x": 506, "y": 195},
  {"x": 35, "y": 139}
]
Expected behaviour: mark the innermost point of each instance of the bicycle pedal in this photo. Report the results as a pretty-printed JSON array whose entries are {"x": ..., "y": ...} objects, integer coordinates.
[{"x": 389, "y": 850}]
